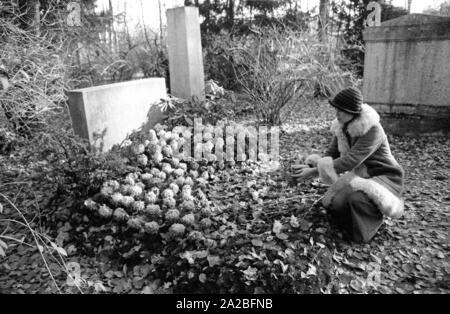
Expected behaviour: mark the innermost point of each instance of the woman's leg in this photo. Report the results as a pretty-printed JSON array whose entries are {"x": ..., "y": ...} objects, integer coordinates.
[
  {"x": 365, "y": 217},
  {"x": 339, "y": 209}
]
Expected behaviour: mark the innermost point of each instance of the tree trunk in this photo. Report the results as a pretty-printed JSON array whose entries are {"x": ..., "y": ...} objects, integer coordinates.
[
  {"x": 409, "y": 6},
  {"x": 230, "y": 14},
  {"x": 160, "y": 23},
  {"x": 323, "y": 19}
]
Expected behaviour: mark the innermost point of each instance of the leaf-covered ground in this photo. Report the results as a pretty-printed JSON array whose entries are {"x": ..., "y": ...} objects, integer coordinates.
[{"x": 281, "y": 223}]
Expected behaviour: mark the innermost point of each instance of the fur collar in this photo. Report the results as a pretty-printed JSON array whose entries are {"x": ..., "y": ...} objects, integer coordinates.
[{"x": 361, "y": 125}]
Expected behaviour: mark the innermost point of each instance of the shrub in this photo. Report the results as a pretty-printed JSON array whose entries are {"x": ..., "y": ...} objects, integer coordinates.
[{"x": 276, "y": 65}]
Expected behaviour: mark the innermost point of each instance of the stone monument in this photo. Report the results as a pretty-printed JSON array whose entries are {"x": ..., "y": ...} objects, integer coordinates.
[
  {"x": 106, "y": 114},
  {"x": 407, "y": 73},
  {"x": 185, "y": 53}
]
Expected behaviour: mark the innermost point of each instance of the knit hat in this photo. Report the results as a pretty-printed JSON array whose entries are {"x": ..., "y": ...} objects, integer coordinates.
[{"x": 349, "y": 100}]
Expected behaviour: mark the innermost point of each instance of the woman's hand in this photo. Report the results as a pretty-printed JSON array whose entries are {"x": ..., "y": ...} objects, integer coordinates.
[{"x": 304, "y": 173}]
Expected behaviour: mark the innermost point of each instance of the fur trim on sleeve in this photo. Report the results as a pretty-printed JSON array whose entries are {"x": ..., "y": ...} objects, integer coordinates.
[
  {"x": 312, "y": 160},
  {"x": 327, "y": 174},
  {"x": 388, "y": 203}
]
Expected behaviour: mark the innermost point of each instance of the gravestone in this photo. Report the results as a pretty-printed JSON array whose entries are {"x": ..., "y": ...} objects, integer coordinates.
[
  {"x": 407, "y": 73},
  {"x": 185, "y": 53},
  {"x": 106, "y": 114}
]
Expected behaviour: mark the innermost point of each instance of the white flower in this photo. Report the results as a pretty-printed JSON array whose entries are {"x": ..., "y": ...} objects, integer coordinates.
[
  {"x": 158, "y": 127},
  {"x": 169, "y": 202},
  {"x": 153, "y": 210},
  {"x": 167, "y": 151},
  {"x": 161, "y": 134},
  {"x": 194, "y": 174},
  {"x": 167, "y": 168},
  {"x": 131, "y": 178},
  {"x": 188, "y": 219},
  {"x": 105, "y": 212},
  {"x": 179, "y": 129},
  {"x": 188, "y": 205},
  {"x": 208, "y": 129},
  {"x": 136, "y": 190},
  {"x": 90, "y": 204},
  {"x": 168, "y": 135},
  {"x": 205, "y": 223},
  {"x": 113, "y": 184},
  {"x": 162, "y": 142},
  {"x": 106, "y": 191},
  {"x": 117, "y": 198},
  {"x": 146, "y": 177},
  {"x": 168, "y": 193},
  {"x": 125, "y": 189},
  {"x": 135, "y": 223},
  {"x": 196, "y": 235},
  {"x": 151, "y": 227},
  {"x": 175, "y": 162},
  {"x": 120, "y": 214},
  {"x": 142, "y": 160},
  {"x": 154, "y": 148},
  {"x": 177, "y": 229},
  {"x": 157, "y": 157},
  {"x": 180, "y": 181},
  {"x": 183, "y": 166},
  {"x": 139, "y": 206},
  {"x": 172, "y": 215},
  {"x": 127, "y": 201},
  {"x": 219, "y": 142},
  {"x": 207, "y": 136},
  {"x": 206, "y": 211},
  {"x": 187, "y": 189},
  {"x": 189, "y": 182},
  {"x": 178, "y": 172},
  {"x": 138, "y": 149},
  {"x": 152, "y": 136},
  {"x": 174, "y": 187},
  {"x": 208, "y": 146},
  {"x": 150, "y": 198}
]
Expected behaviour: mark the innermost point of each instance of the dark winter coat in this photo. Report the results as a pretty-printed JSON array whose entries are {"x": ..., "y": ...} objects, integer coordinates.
[{"x": 360, "y": 151}]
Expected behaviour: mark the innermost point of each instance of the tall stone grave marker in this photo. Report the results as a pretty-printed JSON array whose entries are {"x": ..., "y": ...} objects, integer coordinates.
[
  {"x": 185, "y": 53},
  {"x": 407, "y": 73}
]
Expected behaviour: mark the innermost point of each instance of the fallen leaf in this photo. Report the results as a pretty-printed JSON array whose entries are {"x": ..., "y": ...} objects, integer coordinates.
[
  {"x": 202, "y": 278},
  {"x": 277, "y": 226}
]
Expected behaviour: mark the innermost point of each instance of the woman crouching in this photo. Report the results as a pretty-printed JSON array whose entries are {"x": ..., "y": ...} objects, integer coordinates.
[{"x": 366, "y": 180}]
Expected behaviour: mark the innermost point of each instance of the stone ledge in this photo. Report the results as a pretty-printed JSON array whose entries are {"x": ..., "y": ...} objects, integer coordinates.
[
  {"x": 106, "y": 114},
  {"x": 422, "y": 32},
  {"x": 410, "y": 110},
  {"x": 408, "y": 119}
]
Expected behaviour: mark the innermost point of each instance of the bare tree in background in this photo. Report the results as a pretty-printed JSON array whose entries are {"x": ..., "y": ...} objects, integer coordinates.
[
  {"x": 160, "y": 22},
  {"x": 409, "y": 6},
  {"x": 30, "y": 15},
  {"x": 323, "y": 18}
]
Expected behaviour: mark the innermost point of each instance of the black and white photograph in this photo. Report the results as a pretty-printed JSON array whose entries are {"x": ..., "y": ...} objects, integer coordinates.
[{"x": 224, "y": 153}]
